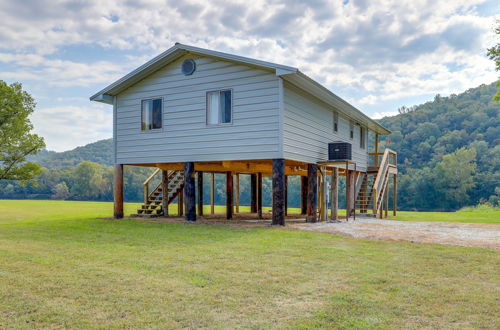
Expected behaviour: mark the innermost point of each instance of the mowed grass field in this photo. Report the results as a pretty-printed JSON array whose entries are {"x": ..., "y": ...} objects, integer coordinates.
[{"x": 62, "y": 266}]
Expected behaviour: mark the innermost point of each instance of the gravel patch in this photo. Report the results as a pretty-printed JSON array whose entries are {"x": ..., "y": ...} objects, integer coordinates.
[{"x": 446, "y": 233}]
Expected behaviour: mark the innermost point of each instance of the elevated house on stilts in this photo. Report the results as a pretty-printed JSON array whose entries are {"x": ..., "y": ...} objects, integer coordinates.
[{"x": 190, "y": 111}]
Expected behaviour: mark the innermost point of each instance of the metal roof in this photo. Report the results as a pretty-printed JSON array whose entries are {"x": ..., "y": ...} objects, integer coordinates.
[{"x": 288, "y": 73}]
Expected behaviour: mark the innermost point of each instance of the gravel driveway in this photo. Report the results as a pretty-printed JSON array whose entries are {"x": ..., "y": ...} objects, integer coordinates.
[{"x": 446, "y": 233}]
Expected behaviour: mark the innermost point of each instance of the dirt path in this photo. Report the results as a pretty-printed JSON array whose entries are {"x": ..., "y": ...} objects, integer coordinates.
[{"x": 446, "y": 233}]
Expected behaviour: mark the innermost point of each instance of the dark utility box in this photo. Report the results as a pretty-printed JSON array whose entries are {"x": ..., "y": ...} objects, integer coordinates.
[{"x": 339, "y": 151}]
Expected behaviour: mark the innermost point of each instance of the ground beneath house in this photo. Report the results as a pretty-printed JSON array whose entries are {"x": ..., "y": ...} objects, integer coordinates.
[{"x": 445, "y": 233}]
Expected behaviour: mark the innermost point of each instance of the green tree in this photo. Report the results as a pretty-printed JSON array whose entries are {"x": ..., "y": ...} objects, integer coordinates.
[
  {"x": 88, "y": 181},
  {"x": 455, "y": 177},
  {"x": 494, "y": 54},
  {"x": 16, "y": 141},
  {"x": 60, "y": 191}
]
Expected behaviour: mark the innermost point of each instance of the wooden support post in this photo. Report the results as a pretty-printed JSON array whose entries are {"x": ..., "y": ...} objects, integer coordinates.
[
  {"x": 347, "y": 193},
  {"x": 212, "y": 193},
  {"x": 303, "y": 195},
  {"x": 253, "y": 193},
  {"x": 334, "y": 194},
  {"x": 381, "y": 210},
  {"x": 323, "y": 194},
  {"x": 259, "y": 195},
  {"x": 164, "y": 190},
  {"x": 386, "y": 201},
  {"x": 394, "y": 194},
  {"x": 279, "y": 194},
  {"x": 118, "y": 191},
  {"x": 350, "y": 191},
  {"x": 375, "y": 160},
  {"x": 321, "y": 190},
  {"x": 312, "y": 192},
  {"x": 237, "y": 193},
  {"x": 189, "y": 192},
  {"x": 180, "y": 202},
  {"x": 286, "y": 194},
  {"x": 229, "y": 195},
  {"x": 200, "y": 193}
]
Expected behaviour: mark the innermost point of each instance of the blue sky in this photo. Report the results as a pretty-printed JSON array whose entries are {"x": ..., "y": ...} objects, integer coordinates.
[{"x": 377, "y": 55}]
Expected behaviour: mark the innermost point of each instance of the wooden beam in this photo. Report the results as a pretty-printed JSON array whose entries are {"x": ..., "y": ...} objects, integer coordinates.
[
  {"x": 303, "y": 195},
  {"x": 212, "y": 193},
  {"x": 237, "y": 193},
  {"x": 312, "y": 192},
  {"x": 334, "y": 194},
  {"x": 350, "y": 191},
  {"x": 286, "y": 194},
  {"x": 118, "y": 191},
  {"x": 180, "y": 202},
  {"x": 386, "y": 201},
  {"x": 261, "y": 166},
  {"x": 279, "y": 192},
  {"x": 164, "y": 189},
  {"x": 253, "y": 193},
  {"x": 189, "y": 192},
  {"x": 394, "y": 194},
  {"x": 259, "y": 195},
  {"x": 229, "y": 195},
  {"x": 200, "y": 193}
]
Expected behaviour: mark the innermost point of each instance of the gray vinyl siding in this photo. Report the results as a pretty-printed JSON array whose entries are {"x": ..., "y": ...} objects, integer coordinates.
[
  {"x": 185, "y": 136},
  {"x": 308, "y": 128}
]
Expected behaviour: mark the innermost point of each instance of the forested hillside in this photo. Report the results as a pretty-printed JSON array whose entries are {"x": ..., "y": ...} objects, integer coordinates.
[
  {"x": 448, "y": 153},
  {"x": 448, "y": 150}
]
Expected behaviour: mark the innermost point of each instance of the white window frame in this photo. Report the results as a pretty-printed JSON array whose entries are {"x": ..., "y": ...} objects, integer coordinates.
[
  {"x": 220, "y": 110},
  {"x": 162, "y": 114},
  {"x": 351, "y": 130}
]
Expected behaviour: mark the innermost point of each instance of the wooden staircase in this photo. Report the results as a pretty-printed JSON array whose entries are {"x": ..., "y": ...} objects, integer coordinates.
[
  {"x": 372, "y": 186},
  {"x": 364, "y": 196},
  {"x": 154, "y": 201}
]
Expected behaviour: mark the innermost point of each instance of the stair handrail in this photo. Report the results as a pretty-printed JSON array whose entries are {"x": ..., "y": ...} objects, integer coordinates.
[
  {"x": 380, "y": 181},
  {"x": 146, "y": 184}
]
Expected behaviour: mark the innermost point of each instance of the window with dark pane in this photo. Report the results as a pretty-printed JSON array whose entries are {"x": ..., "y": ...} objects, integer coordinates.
[
  {"x": 151, "y": 114},
  {"x": 225, "y": 104},
  {"x": 156, "y": 122},
  {"x": 219, "y": 107},
  {"x": 335, "y": 122},
  {"x": 351, "y": 135}
]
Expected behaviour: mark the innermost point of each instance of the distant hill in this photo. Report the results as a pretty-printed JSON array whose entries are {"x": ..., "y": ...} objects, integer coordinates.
[
  {"x": 428, "y": 138},
  {"x": 100, "y": 152}
]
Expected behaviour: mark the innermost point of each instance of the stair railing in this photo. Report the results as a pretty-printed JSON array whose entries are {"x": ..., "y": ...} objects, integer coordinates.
[
  {"x": 389, "y": 159},
  {"x": 146, "y": 184}
]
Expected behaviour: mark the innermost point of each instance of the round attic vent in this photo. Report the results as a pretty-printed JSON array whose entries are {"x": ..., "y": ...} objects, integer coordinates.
[{"x": 188, "y": 66}]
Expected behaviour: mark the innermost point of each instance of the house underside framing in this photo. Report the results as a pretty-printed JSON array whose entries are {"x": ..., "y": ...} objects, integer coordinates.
[{"x": 366, "y": 191}]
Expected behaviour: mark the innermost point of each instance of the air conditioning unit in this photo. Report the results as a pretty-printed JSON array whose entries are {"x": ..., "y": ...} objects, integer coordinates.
[{"x": 339, "y": 151}]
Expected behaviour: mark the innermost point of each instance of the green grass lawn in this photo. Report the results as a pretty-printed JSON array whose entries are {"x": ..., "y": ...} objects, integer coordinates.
[
  {"x": 480, "y": 214},
  {"x": 62, "y": 267}
]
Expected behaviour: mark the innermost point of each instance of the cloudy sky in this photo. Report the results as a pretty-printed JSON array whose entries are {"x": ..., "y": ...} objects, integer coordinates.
[{"x": 378, "y": 55}]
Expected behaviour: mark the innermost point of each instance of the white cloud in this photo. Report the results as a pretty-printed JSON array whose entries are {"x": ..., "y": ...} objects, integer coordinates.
[
  {"x": 66, "y": 127},
  {"x": 380, "y": 115},
  {"x": 378, "y": 51}
]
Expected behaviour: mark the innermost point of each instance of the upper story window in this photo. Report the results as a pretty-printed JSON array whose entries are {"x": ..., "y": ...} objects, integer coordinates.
[
  {"x": 351, "y": 130},
  {"x": 335, "y": 122},
  {"x": 362, "y": 137},
  {"x": 219, "y": 107},
  {"x": 151, "y": 114}
]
